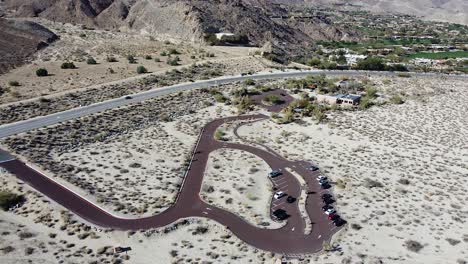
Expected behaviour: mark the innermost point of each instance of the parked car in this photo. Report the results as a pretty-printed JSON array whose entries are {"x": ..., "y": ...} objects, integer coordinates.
[
  {"x": 339, "y": 221},
  {"x": 313, "y": 168},
  {"x": 291, "y": 199},
  {"x": 322, "y": 178},
  {"x": 333, "y": 217},
  {"x": 330, "y": 211},
  {"x": 325, "y": 185},
  {"x": 274, "y": 173},
  {"x": 328, "y": 201},
  {"x": 128, "y": 97},
  {"x": 326, "y": 207},
  {"x": 279, "y": 195},
  {"x": 280, "y": 214},
  {"x": 326, "y": 196}
]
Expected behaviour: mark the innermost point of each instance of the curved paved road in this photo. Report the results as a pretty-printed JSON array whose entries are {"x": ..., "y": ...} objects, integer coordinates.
[
  {"x": 290, "y": 239},
  {"x": 42, "y": 121}
]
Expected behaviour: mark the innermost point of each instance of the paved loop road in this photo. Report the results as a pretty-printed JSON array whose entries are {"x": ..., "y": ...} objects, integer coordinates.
[{"x": 290, "y": 239}]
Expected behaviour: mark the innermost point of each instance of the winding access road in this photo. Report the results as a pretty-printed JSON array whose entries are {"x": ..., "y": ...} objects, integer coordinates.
[{"x": 291, "y": 239}]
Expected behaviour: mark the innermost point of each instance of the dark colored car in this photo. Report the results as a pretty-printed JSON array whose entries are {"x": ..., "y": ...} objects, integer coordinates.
[
  {"x": 280, "y": 214},
  {"x": 128, "y": 97},
  {"x": 326, "y": 195},
  {"x": 328, "y": 201},
  {"x": 339, "y": 222},
  {"x": 291, "y": 199},
  {"x": 326, "y": 207},
  {"x": 313, "y": 168}
]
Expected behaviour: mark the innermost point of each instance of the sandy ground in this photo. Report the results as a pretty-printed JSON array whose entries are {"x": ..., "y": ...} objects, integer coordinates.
[
  {"x": 41, "y": 232},
  {"x": 401, "y": 170},
  {"x": 77, "y": 45},
  {"x": 237, "y": 181},
  {"x": 403, "y": 167}
]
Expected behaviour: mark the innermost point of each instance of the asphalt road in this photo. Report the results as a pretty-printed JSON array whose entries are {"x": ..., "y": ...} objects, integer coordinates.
[
  {"x": 42, "y": 121},
  {"x": 291, "y": 239}
]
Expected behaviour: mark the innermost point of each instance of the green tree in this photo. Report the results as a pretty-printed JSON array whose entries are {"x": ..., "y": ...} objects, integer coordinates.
[
  {"x": 371, "y": 64},
  {"x": 41, "y": 72},
  {"x": 141, "y": 70}
]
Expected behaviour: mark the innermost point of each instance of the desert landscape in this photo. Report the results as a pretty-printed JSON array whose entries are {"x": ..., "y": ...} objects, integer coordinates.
[
  {"x": 244, "y": 131},
  {"x": 361, "y": 151}
]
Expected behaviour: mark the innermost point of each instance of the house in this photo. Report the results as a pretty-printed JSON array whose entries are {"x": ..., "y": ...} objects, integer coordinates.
[
  {"x": 348, "y": 99},
  {"x": 226, "y": 34},
  {"x": 342, "y": 99}
]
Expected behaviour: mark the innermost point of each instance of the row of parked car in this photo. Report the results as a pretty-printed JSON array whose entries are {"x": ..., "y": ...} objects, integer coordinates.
[
  {"x": 280, "y": 214},
  {"x": 328, "y": 208}
]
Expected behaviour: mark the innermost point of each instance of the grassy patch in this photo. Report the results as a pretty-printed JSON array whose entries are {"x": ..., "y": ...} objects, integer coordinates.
[{"x": 439, "y": 55}]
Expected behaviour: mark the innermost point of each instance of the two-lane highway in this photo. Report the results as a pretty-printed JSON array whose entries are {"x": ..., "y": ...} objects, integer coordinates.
[{"x": 42, "y": 121}]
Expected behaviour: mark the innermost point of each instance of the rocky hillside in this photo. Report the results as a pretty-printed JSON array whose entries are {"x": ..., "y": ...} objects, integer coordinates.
[
  {"x": 186, "y": 20},
  {"x": 19, "y": 40}
]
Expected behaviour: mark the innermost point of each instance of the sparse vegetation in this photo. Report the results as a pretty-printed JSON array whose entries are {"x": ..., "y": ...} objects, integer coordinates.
[
  {"x": 9, "y": 199},
  {"x": 13, "y": 83},
  {"x": 42, "y": 72},
  {"x": 91, "y": 61},
  {"x": 68, "y": 65},
  {"x": 141, "y": 70}
]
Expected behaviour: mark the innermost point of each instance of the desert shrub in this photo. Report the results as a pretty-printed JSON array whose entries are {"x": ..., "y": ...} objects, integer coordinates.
[
  {"x": 131, "y": 59},
  {"x": 82, "y": 35},
  {"x": 200, "y": 230},
  {"x": 163, "y": 53},
  {"x": 157, "y": 59},
  {"x": 371, "y": 92},
  {"x": 273, "y": 99},
  {"x": 219, "y": 134},
  {"x": 41, "y": 72},
  {"x": 249, "y": 82},
  {"x": 111, "y": 59},
  {"x": 9, "y": 199},
  {"x": 173, "y": 52},
  {"x": 68, "y": 65},
  {"x": 220, "y": 98},
  {"x": 396, "y": 99},
  {"x": 141, "y": 69},
  {"x": 24, "y": 235},
  {"x": 148, "y": 57},
  {"x": 340, "y": 184},
  {"x": 174, "y": 61},
  {"x": 91, "y": 61},
  {"x": 414, "y": 246},
  {"x": 13, "y": 83},
  {"x": 28, "y": 251},
  {"x": 7, "y": 249}
]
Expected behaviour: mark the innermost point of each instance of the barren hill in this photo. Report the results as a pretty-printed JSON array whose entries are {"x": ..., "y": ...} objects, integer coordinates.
[
  {"x": 185, "y": 20},
  {"x": 19, "y": 40}
]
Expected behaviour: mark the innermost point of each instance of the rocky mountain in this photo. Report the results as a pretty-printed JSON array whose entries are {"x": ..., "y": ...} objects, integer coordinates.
[
  {"x": 187, "y": 20},
  {"x": 19, "y": 40}
]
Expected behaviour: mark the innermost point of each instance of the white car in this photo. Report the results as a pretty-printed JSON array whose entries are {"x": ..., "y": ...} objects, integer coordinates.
[
  {"x": 279, "y": 194},
  {"x": 330, "y": 211},
  {"x": 321, "y": 178}
]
